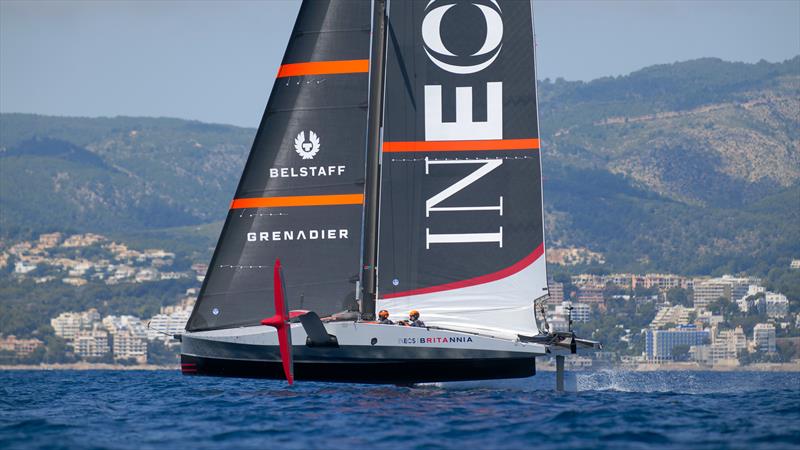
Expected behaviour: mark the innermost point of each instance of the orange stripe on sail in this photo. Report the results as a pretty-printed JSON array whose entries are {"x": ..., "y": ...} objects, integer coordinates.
[
  {"x": 324, "y": 68},
  {"x": 460, "y": 146},
  {"x": 298, "y": 200}
]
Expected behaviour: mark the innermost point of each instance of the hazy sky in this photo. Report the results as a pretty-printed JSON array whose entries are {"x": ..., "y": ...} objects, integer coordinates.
[{"x": 216, "y": 61}]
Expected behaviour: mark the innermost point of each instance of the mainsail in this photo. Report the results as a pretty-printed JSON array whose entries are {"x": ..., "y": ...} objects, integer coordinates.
[
  {"x": 301, "y": 195},
  {"x": 461, "y": 229}
]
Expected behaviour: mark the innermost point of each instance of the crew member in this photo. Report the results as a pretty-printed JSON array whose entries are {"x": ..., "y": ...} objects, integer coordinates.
[
  {"x": 383, "y": 318},
  {"x": 413, "y": 319}
]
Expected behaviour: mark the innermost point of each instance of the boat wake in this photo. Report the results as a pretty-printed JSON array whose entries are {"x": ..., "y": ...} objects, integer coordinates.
[
  {"x": 675, "y": 382},
  {"x": 615, "y": 380}
]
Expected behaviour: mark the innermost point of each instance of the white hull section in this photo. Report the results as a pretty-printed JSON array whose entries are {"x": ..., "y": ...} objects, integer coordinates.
[{"x": 370, "y": 335}]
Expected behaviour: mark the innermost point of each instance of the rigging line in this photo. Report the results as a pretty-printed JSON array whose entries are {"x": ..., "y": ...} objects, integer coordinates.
[
  {"x": 159, "y": 331},
  {"x": 244, "y": 210},
  {"x": 265, "y": 214}
]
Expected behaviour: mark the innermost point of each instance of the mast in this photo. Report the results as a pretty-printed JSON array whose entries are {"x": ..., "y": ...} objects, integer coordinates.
[{"x": 375, "y": 115}]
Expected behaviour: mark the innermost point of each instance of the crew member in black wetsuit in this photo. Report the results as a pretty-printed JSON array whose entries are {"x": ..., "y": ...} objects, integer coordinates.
[
  {"x": 413, "y": 319},
  {"x": 383, "y": 318}
]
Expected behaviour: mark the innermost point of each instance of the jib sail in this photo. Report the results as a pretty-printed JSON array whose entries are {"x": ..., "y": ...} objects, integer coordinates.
[
  {"x": 300, "y": 197},
  {"x": 461, "y": 232}
]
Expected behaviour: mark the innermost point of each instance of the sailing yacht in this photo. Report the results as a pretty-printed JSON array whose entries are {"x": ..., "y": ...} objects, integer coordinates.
[{"x": 396, "y": 167}]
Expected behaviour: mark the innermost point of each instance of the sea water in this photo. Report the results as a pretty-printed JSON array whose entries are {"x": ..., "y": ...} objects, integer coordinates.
[{"x": 609, "y": 409}]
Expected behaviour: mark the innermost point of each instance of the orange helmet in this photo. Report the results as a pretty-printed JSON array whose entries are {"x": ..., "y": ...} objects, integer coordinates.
[
  {"x": 413, "y": 313},
  {"x": 383, "y": 314}
]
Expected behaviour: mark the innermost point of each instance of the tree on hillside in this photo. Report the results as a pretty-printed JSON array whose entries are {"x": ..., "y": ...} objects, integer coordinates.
[
  {"x": 679, "y": 296},
  {"x": 723, "y": 307}
]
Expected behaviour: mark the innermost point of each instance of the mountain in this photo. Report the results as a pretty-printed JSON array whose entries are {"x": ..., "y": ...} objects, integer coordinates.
[
  {"x": 115, "y": 174},
  {"x": 692, "y": 167},
  {"x": 701, "y": 132}
]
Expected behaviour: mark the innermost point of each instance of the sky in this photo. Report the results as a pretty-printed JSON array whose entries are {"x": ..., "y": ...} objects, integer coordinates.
[{"x": 215, "y": 61}]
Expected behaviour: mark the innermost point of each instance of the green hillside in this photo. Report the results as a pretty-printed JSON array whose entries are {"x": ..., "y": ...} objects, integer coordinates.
[
  {"x": 119, "y": 174},
  {"x": 691, "y": 167}
]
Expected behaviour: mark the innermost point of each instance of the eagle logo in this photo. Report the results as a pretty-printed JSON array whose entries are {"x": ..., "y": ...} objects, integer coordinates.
[{"x": 307, "y": 150}]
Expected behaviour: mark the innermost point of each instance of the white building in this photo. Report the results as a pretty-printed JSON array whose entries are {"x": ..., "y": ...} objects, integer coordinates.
[
  {"x": 764, "y": 337},
  {"x": 676, "y": 315},
  {"x": 777, "y": 305},
  {"x": 128, "y": 344},
  {"x": 709, "y": 320},
  {"x": 556, "y": 292},
  {"x": 726, "y": 346},
  {"x": 68, "y": 324},
  {"x": 91, "y": 344},
  {"x": 728, "y": 287},
  {"x": 661, "y": 281},
  {"x": 746, "y": 305},
  {"x": 23, "y": 268},
  {"x": 581, "y": 312},
  {"x": 115, "y": 323},
  {"x": 128, "y": 337},
  {"x": 558, "y": 318},
  {"x": 72, "y": 281},
  {"x": 146, "y": 275}
]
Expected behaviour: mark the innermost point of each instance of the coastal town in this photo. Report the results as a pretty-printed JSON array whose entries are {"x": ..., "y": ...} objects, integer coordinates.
[
  {"x": 78, "y": 259},
  {"x": 664, "y": 320},
  {"x": 704, "y": 322}
]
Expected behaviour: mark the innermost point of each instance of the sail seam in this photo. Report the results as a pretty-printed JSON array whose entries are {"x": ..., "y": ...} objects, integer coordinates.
[
  {"x": 316, "y": 108},
  {"x": 343, "y": 30}
]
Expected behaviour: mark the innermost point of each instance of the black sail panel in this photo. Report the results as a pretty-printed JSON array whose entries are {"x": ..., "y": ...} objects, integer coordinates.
[
  {"x": 300, "y": 197},
  {"x": 461, "y": 229}
]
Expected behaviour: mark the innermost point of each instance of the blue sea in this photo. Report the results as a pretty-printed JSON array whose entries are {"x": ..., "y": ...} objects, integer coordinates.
[{"x": 606, "y": 409}]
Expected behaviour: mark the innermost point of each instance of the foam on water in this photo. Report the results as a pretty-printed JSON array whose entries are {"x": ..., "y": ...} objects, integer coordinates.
[
  {"x": 613, "y": 380},
  {"x": 680, "y": 382}
]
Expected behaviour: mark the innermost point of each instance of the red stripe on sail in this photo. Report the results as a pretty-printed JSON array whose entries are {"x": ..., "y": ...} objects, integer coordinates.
[
  {"x": 460, "y": 146},
  {"x": 507, "y": 272},
  {"x": 298, "y": 200},
  {"x": 324, "y": 68}
]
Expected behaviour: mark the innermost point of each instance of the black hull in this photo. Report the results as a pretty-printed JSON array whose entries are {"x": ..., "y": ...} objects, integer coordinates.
[{"x": 377, "y": 372}]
